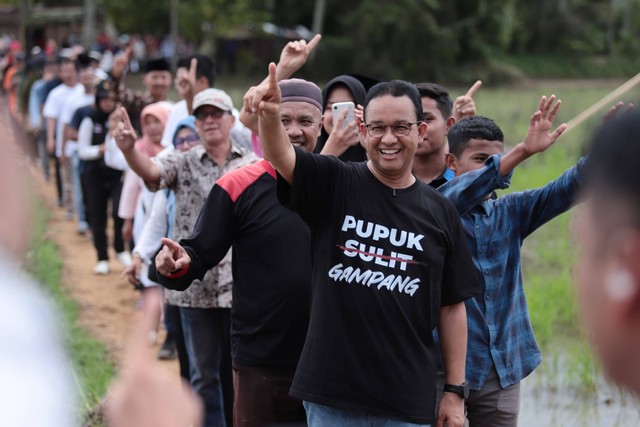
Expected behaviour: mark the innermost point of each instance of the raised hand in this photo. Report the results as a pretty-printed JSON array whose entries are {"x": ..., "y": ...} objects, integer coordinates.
[
  {"x": 124, "y": 134},
  {"x": 120, "y": 63},
  {"x": 464, "y": 105},
  {"x": 615, "y": 109},
  {"x": 186, "y": 80},
  {"x": 265, "y": 98},
  {"x": 342, "y": 138},
  {"x": 172, "y": 257},
  {"x": 539, "y": 136},
  {"x": 294, "y": 55}
]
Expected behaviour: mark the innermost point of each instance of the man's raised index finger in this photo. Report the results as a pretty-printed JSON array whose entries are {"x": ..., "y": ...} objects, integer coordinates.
[
  {"x": 473, "y": 89},
  {"x": 313, "y": 42},
  {"x": 273, "y": 80}
]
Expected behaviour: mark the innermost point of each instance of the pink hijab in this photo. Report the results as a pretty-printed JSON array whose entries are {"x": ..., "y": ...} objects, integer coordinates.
[{"x": 159, "y": 110}]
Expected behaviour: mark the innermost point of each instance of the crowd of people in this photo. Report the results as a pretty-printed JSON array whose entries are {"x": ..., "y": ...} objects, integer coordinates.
[{"x": 320, "y": 269}]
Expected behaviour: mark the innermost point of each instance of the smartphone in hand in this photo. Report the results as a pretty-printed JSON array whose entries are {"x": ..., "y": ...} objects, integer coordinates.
[{"x": 339, "y": 107}]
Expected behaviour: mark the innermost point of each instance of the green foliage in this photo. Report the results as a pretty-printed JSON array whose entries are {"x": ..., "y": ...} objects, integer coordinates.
[
  {"x": 460, "y": 40},
  {"x": 499, "y": 41},
  {"x": 92, "y": 367},
  {"x": 129, "y": 17},
  {"x": 199, "y": 20}
]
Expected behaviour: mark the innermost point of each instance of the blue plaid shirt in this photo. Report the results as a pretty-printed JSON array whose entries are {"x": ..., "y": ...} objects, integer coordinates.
[{"x": 499, "y": 327}]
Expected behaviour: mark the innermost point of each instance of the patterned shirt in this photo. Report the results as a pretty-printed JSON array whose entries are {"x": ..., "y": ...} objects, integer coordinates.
[
  {"x": 499, "y": 327},
  {"x": 191, "y": 176}
]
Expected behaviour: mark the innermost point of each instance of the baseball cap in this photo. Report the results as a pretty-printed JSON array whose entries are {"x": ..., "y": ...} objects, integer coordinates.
[{"x": 214, "y": 97}]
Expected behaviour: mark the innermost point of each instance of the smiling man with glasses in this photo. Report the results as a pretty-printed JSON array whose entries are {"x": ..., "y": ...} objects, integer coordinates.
[{"x": 390, "y": 264}]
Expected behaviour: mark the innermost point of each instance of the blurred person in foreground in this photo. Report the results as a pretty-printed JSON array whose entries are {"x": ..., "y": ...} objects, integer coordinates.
[
  {"x": 35, "y": 386},
  {"x": 607, "y": 229}
]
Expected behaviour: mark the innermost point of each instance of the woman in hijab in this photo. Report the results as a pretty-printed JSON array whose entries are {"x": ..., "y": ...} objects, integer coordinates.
[
  {"x": 342, "y": 142},
  {"x": 103, "y": 183}
]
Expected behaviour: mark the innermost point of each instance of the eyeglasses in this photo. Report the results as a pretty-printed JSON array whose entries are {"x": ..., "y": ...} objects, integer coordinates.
[
  {"x": 216, "y": 114},
  {"x": 189, "y": 139},
  {"x": 377, "y": 130}
]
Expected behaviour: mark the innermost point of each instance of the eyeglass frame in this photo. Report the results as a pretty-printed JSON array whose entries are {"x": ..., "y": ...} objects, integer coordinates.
[
  {"x": 392, "y": 127},
  {"x": 191, "y": 139}
]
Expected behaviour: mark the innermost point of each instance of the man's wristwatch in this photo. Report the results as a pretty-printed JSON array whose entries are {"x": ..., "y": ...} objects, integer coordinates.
[{"x": 461, "y": 390}]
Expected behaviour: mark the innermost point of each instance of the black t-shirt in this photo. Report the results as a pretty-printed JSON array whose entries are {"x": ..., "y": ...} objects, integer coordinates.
[
  {"x": 271, "y": 262},
  {"x": 384, "y": 262}
]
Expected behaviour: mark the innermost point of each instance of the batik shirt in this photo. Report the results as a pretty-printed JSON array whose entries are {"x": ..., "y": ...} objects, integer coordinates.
[{"x": 191, "y": 176}]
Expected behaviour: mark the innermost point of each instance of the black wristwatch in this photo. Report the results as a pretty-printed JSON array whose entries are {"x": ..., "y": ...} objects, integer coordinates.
[{"x": 461, "y": 390}]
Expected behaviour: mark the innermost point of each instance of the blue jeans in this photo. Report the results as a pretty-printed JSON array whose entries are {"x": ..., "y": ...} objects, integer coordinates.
[
  {"x": 322, "y": 416},
  {"x": 205, "y": 331}
]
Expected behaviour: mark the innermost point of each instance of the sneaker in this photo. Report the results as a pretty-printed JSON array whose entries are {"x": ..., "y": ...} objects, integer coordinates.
[
  {"x": 168, "y": 351},
  {"x": 83, "y": 227},
  {"x": 102, "y": 268},
  {"x": 124, "y": 258}
]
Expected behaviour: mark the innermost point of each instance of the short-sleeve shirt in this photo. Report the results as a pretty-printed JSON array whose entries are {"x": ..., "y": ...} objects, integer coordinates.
[
  {"x": 54, "y": 106},
  {"x": 191, "y": 176},
  {"x": 384, "y": 262}
]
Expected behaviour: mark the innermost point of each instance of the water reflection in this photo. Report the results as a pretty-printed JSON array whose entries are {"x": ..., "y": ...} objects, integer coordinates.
[{"x": 544, "y": 404}]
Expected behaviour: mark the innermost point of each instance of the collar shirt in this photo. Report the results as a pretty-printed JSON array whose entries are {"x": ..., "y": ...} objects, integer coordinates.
[
  {"x": 191, "y": 176},
  {"x": 499, "y": 327}
]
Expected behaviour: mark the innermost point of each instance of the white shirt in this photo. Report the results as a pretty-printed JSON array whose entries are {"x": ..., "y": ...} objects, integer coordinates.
[
  {"x": 77, "y": 100},
  {"x": 36, "y": 387},
  {"x": 53, "y": 107},
  {"x": 155, "y": 227}
]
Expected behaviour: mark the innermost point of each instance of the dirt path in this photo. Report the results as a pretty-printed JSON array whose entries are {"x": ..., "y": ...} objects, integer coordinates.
[{"x": 107, "y": 302}]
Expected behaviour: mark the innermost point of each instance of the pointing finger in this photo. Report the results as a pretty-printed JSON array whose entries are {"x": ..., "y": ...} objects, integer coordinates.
[
  {"x": 313, "y": 42},
  {"x": 473, "y": 89}
]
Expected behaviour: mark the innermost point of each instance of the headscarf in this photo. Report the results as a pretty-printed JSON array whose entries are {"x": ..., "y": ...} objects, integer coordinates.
[
  {"x": 187, "y": 122},
  {"x": 355, "y": 153},
  {"x": 159, "y": 110},
  {"x": 103, "y": 90}
]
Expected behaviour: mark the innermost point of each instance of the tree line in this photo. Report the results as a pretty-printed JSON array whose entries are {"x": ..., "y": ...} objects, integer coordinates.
[{"x": 426, "y": 39}]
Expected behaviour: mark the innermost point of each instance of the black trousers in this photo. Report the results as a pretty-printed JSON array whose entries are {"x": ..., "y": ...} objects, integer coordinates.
[
  {"x": 103, "y": 184},
  {"x": 59, "y": 183}
]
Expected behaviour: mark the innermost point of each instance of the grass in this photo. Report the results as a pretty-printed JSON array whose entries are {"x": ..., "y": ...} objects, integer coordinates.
[
  {"x": 92, "y": 367},
  {"x": 580, "y": 66}
]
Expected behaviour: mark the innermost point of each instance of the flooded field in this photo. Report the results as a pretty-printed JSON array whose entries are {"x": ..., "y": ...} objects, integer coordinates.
[{"x": 544, "y": 405}]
